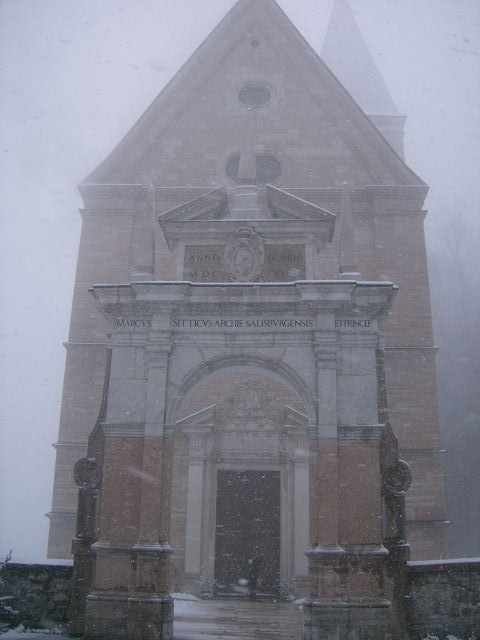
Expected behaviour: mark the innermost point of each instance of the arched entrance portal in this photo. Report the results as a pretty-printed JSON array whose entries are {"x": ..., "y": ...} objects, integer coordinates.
[{"x": 240, "y": 484}]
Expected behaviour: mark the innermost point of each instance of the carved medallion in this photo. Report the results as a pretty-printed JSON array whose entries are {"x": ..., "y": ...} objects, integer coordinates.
[
  {"x": 397, "y": 478},
  {"x": 244, "y": 255},
  {"x": 86, "y": 473}
]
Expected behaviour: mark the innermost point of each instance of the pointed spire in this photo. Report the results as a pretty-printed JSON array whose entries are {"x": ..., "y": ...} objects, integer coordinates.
[
  {"x": 347, "y": 263},
  {"x": 347, "y": 55}
]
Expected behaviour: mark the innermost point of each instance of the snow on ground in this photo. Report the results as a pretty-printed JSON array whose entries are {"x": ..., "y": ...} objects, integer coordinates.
[
  {"x": 197, "y": 619},
  {"x": 35, "y": 634},
  {"x": 20, "y": 633}
]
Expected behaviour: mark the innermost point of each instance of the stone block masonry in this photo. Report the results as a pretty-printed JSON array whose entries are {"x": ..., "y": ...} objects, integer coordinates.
[
  {"x": 41, "y": 594},
  {"x": 443, "y": 598}
]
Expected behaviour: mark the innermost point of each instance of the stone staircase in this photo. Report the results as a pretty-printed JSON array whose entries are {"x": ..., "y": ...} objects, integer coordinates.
[{"x": 236, "y": 620}]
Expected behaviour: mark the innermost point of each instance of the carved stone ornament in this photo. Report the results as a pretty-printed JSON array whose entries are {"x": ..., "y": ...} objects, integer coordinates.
[
  {"x": 251, "y": 401},
  {"x": 397, "y": 478},
  {"x": 244, "y": 255},
  {"x": 86, "y": 473}
]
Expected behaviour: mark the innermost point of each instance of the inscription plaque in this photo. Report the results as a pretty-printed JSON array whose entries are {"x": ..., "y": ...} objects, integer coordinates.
[
  {"x": 282, "y": 263},
  {"x": 204, "y": 264}
]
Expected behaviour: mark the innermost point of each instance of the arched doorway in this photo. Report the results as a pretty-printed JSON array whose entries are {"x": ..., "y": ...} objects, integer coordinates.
[{"x": 240, "y": 484}]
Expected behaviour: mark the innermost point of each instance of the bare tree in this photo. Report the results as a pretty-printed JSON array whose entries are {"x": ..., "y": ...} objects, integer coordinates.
[{"x": 454, "y": 261}]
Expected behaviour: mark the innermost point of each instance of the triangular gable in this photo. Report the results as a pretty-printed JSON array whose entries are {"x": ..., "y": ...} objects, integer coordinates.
[{"x": 369, "y": 150}]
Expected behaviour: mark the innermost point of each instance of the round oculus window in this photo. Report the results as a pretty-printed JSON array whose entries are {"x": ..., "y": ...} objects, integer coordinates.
[
  {"x": 268, "y": 167},
  {"x": 254, "y": 94}
]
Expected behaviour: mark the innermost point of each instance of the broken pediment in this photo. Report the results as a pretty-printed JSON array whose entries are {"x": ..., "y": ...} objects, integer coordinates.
[
  {"x": 248, "y": 225},
  {"x": 270, "y": 203}
]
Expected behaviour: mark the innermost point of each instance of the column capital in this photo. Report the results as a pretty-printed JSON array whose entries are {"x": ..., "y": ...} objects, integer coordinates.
[
  {"x": 357, "y": 339},
  {"x": 361, "y": 432},
  {"x": 325, "y": 338},
  {"x": 157, "y": 356},
  {"x": 326, "y": 354}
]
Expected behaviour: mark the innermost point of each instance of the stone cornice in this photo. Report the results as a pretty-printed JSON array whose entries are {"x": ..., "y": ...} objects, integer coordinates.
[
  {"x": 411, "y": 348},
  {"x": 80, "y": 344},
  {"x": 123, "y": 430},
  {"x": 360, "y": 432},
  {"x": 377, "y": 199},
  {"x": 116, "y": 198},
  {"x": 69, "y": 445},
  {"x": 397, "y": 199},
  {"x": 315, "y": 296}
]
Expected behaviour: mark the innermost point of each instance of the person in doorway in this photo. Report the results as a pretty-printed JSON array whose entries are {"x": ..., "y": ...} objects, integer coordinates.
[{"x": 254, "y": 567}]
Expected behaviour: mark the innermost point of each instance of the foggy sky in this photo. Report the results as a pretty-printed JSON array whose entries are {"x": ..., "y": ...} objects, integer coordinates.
[{"x": 74, "y": 77}]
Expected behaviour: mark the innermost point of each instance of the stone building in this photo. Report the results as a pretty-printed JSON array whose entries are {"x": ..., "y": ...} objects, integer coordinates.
[{"x": 257, "y": 362}]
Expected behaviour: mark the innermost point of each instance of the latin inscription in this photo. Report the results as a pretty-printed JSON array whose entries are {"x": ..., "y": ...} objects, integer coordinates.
[
  {"x": 133, "y": 323},
  {"x": 242, "y": 323},
  {"x": 283, "y": 263},
  {"x": 353, "y": 324}
]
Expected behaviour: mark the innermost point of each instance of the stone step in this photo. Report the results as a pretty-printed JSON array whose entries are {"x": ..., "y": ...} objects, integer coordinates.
[{"x": 236, "y": 620}]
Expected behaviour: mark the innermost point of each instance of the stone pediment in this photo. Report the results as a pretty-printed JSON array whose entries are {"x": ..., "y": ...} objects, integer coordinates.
[
  {"x": 281, "y": 215},
  {"x": 279, "y": 204},
  {"x": 210, "y": 206},
  {"x": 248, "y": 405},
  {"x": 214, "y": 415},
  {"x": 285, "y": 205},
  {"x": 204, "y": 417}
]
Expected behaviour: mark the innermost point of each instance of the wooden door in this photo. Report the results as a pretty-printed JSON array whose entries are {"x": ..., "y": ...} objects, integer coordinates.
[{"x": 248, "y": 524}]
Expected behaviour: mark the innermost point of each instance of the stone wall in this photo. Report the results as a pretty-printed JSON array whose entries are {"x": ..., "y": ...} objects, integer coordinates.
[
  {"x": 40, "y": 594},
  {"x": 444, "y": 598}
]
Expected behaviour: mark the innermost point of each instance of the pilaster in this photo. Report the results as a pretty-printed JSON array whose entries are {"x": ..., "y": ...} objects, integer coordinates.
[
  {"x": 324, "y": 472},
  {"x": 131, "y": 597}
]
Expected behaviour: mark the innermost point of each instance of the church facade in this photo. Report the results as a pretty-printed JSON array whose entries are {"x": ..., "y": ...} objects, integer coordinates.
[{"x": 250, "y": 368}]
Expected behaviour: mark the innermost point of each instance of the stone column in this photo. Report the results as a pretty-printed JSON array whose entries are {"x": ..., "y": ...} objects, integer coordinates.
[
  {"x": 347, "y": 560},
  {"x": 130, "y": 598},
  {"x": 324, "y": 493},
  {"x": 325, "y": 612},
  {"x": 193, "y": 547},
  {"x": 123, "y": 430},
  {"x": 150, "y": 608},
  {"x": 361, "y": 524}
]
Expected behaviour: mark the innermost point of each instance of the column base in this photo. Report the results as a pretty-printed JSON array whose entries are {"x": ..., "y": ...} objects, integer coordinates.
[
  {"x": 150, "y": 618},
  {"x": 112, "y": 616},
  {"x": 340, "y": 620}
]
